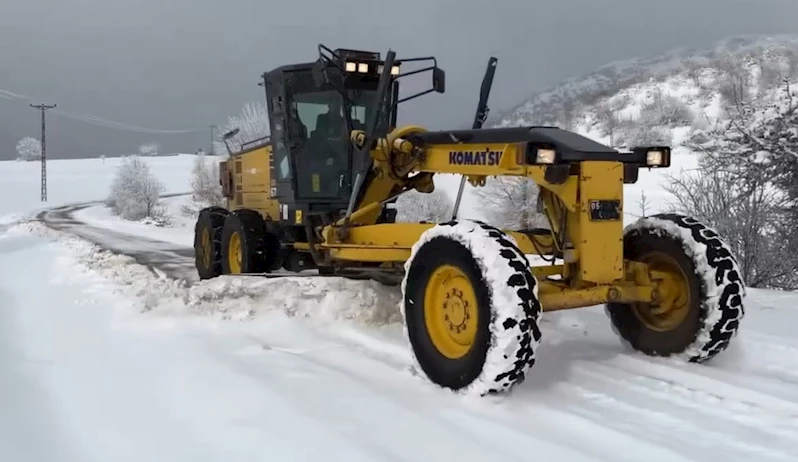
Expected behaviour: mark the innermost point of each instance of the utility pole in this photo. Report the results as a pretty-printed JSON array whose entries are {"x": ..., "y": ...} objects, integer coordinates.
[
  {"x": 43, "y": 108},
  {"x": 213, "y": 152}
]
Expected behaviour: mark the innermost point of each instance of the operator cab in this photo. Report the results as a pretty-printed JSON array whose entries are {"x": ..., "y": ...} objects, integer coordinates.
[{"x": 311, "y": 147}]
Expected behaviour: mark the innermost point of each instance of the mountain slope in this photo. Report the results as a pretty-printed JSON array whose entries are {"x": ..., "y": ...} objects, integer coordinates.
[{"x": 561, "y": 104}]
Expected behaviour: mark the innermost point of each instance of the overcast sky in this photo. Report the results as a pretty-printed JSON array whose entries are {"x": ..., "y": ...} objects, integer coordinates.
[{"x": 175, "y": 64}]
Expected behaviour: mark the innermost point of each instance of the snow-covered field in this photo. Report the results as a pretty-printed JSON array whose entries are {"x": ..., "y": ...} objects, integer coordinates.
[
  {"x": 81, "y": 180},
  {"x": 101, "y": 359}
]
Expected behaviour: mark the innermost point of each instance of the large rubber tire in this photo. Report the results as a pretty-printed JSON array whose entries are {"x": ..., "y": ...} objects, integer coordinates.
[
  {"x": 208, "y": 242},
  {"x": 716, "y": 289},
  {"x": 507, "y": 333},
  {"x": 249, "y": 227}
]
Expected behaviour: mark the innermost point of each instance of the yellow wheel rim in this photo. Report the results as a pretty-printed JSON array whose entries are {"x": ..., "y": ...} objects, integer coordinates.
[
  {"x": 206, "y": 247},
  {"x": 672, "y": 303},
  {"x": 234, "y": 253},
  {"x": 450, "y": 311}
]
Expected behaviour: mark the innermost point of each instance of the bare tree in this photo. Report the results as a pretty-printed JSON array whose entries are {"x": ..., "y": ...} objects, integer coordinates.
[
  {"x": 135, "y": 191},
  {"x": 29, "y": 148},
  {"x": 642, "y": 132},
  {"x": 608, "y": 113},
  {"x": 252, "y": 123},
  {"x": 644, "y": 204},
  {"x": 149, "y": 149},
  {"x": 415, "y": 207},
  {"x": 746, "y": 186},
  {"x": 747, "y": 212},
  {"x": 693, "y": 70},
  {"x": 666, "y": 110},
  {"x": 511, "y": 203},
  {"x": 205, "y": 188}
]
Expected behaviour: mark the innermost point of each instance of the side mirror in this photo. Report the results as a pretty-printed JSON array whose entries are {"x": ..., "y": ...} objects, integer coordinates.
[
  {"x": 438, "y": 80},
  {"x": 230, "y": 134}
]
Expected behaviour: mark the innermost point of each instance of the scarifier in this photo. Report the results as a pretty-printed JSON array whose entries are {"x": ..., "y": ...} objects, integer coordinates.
[{"x": 318, "y": 194}]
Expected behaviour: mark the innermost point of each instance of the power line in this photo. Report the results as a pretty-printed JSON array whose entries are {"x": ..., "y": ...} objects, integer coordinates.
[
  {"x": 44, "y": 108},
  {"x": 102, "y": 122}
]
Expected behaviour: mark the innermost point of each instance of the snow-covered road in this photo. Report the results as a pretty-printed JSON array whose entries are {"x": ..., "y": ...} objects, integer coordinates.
[
  {"x": 103, "y": 360},
  {"x": 175, "y": 261}
]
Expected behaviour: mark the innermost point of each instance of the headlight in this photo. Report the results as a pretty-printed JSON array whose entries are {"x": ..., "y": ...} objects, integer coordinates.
[
  {"x": 362, "y": 68},
  {"x": 655, "y": 158},
  {"x": 545, "y": 156},
  {"x": 351, "y": 67},
  {"x": 394, "y": 69}
]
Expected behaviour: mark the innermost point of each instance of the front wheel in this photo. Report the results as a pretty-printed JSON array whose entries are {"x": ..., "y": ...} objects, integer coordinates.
[
  {"x": 471, "y": 308},
  {"x": 700, "y": 293}
]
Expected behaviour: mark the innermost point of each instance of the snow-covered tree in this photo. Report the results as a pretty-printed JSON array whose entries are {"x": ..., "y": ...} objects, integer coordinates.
[
  {"x": 205, "y": 188},
  {"x": 610, "y": 119},
  {"x": 252, "y": 123},
  {"x": 149, "y": 149},
  {"x": 511, "y": 203},
  {"x": 414, "y": 207},
  {"x": 135, "y": 191},
  {"x": 665, "y": 110},
  {"x": 29, "y": 149},
  {"x": 745, "y": 186}
]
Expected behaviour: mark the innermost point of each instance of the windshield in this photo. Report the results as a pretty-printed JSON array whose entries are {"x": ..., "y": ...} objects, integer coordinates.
[
  {"x": 321, "y": 140},
  {"x": 323, "y": 110},
  {"x": 319, "y": 135}
]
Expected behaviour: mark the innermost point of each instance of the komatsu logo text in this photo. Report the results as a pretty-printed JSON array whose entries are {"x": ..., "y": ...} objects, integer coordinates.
[{"x": 486, "y": 157}]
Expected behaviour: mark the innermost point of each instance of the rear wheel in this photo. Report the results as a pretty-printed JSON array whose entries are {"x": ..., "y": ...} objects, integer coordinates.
[
  {"x": 471, "y": 309},
  {"x": 208, "y": 242},
  {"x": 700, "y": 292},
  {"x": 243, "y": 243}
]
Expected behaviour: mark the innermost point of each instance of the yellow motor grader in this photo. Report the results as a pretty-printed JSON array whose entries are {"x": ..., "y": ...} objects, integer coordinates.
[{"x": 316, "y": 195}]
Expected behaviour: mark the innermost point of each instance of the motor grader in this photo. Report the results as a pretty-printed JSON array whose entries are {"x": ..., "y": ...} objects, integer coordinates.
[{"x": 316, "y": 195}]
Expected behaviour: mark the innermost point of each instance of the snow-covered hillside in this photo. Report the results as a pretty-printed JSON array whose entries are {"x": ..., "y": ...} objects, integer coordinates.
[
  {"x": 678, "y": 98},
  {"x": 568, "y": 97}
]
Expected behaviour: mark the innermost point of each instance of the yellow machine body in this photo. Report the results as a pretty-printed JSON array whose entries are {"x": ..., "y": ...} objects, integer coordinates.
[{"x": 593, "y": 270}]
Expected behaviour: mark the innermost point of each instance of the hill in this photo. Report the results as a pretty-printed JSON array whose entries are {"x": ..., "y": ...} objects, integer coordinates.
[
  {"x": 561, "y": 103},
  {"x": 730, "y": 113}
]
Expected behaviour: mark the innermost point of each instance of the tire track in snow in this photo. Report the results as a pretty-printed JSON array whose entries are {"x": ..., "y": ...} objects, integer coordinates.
[
  {"x": 346, "y": 400},
  {"x": 773, "y": 358},
  {"x": 701, "y": 409},
  {"x": 509, "y": 426},
  {"x": 678, "y": 396},
  {"x": 494, "y": 423},
  {"x": 664, "y": 428},
  {"x": 721, "y": 384}
]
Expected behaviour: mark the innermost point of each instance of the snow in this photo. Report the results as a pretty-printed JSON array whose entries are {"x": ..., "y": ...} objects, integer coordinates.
[
  {"x": 180, "y": 230},
  {"x": 81, "y": 180},
  {"x": 126, "y": 366},
  {"x": 102, "y": 359}
]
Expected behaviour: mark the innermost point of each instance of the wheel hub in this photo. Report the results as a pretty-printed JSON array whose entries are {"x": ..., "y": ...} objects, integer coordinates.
[
  {"x": 672, "y": 301},
  {"x": 450, "y": 311},
  {"x": 455, "y": 311}
]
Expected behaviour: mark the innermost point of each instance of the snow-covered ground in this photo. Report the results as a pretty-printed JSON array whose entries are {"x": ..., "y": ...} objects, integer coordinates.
[
  {"x": 79, "y": 180},
  {"x": 101, "y": 359}
]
